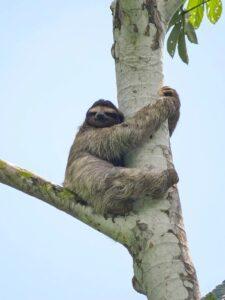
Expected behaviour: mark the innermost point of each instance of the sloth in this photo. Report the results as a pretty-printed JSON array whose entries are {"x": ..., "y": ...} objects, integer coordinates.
[{"x": 95, "y": 169}]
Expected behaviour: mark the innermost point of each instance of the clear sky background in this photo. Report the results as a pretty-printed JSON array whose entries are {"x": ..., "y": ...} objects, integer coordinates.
[{"x": 54, "y": 62}]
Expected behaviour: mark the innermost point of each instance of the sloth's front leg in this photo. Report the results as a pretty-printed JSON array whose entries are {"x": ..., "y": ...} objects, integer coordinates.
[{"x": 167, "y": 91}]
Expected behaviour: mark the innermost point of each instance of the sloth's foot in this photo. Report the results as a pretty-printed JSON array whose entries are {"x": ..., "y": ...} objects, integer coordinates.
[{"x": 163, "y": 182}]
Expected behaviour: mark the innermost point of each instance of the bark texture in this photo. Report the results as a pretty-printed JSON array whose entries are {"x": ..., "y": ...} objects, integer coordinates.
[{"x": 162, "y": 265}]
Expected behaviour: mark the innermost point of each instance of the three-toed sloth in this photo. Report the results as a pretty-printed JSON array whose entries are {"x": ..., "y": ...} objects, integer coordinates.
[{"x": 95, "y": 168}]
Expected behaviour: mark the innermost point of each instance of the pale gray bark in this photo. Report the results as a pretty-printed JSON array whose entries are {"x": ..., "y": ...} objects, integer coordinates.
[
  {"x": 154, "y": 233},
  {"x": 162, "y": 265}
]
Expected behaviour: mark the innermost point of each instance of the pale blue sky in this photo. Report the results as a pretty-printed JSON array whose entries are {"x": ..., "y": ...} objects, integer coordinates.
[{"x": 54, "y": 62}]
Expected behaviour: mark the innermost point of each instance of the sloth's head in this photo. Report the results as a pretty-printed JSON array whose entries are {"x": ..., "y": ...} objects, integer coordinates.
[{"x": 103, "y": 113}]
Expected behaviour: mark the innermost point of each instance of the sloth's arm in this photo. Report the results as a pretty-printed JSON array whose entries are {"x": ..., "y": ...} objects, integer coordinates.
[
  {"x": 116, "y": 140},
  {"x": 148, "y": 120},
  {"x": 173, "y": 119}
]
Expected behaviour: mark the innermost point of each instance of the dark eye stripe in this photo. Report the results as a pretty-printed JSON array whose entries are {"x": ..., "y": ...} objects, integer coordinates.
[
  {"x": 111, "y": 114},
  {"x": 91, "y": 114}
]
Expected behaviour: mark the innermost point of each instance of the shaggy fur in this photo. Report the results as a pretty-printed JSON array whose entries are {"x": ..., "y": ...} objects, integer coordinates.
[{"x": 95, "y": 165}]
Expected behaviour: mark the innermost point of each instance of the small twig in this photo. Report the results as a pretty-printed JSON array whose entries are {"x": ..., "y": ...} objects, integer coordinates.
[{"x": 194, "y": 7}]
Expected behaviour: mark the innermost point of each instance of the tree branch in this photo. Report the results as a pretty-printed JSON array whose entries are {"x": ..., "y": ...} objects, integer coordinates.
[
  {"x": 196, "y": 6},
  {"x": 62, "y": 199}
]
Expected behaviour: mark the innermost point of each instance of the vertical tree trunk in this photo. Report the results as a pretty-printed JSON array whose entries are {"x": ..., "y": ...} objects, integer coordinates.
[{"x": 162, "y": 265}]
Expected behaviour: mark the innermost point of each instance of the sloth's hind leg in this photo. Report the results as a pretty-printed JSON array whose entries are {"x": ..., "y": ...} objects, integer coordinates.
[
  {"x": 124, "y": 185},
  {"x": 110, "y": 189}
]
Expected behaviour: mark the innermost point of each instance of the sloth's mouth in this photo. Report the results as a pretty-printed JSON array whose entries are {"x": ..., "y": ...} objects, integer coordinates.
[{"x": 101, "y": 123}]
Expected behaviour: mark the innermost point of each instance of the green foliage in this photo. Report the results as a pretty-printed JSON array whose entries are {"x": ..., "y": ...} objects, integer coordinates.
[
  {"x": 214, "y": 10},
  {"x": 186, "y": 20},
  {"x": 210, "y": 296},
  {"x": 182, "y": 28},
  {"x": 173, "y": 38},
  {"x": 190, "y": 32},
  {"x": 182, "y": 48},
  {"x": 196, "y": 14}
]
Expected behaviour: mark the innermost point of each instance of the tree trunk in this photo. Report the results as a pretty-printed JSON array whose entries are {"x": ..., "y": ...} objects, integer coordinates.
[{"x": 162, "y": 265}]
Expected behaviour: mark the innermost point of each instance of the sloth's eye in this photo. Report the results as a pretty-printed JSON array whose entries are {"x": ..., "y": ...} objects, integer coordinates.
[
  {"x": 91, "y": 114},
  {"x": 111, "y": 115}
]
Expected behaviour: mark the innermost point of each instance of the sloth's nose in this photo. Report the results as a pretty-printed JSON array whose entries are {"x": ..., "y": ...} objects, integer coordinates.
[{"x": 100, "y": 116}]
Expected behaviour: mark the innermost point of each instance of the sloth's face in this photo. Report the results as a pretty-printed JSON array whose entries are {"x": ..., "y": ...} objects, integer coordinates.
[{"x": 102, "y": 116}]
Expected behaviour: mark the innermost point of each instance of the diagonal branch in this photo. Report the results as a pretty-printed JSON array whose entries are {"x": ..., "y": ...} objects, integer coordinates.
[{"x": 62, "y": 199}]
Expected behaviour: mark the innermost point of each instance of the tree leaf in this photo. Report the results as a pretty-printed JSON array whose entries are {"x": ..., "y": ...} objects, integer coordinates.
[
  {"x": 173, "y": 38},
  {"x": 214, "y": 10},
  {"x": 182, "y": 49},
  {"x": 196, "y": 15},
  {"x": 175, "y": 19},
  {"x": 190, "y": 32},
  {"x": 177, "y": 15}
]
